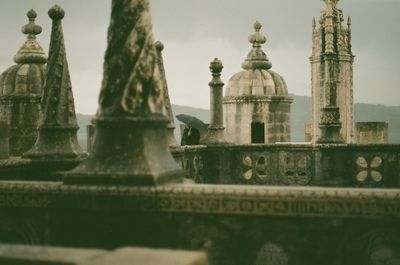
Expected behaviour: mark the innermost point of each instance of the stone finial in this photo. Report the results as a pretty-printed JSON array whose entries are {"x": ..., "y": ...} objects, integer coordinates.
[
  {"x": 31, "y": 29},
  {"x": 349, "y": 21},
  {"x": 167, "y": 106},
  {"x": 130, "y": 145},
  {"x": 57, "y": 134},
  {"x": 31, "y": 52},
  {"x": 257, "y": 38},
  {"x": 257, "y": 59},
  {"x": 216, "y": 67},
  {"x": 314, "y": 24}
]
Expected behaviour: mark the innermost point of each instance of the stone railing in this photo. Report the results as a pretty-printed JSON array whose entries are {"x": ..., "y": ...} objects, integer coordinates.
[
  {"x": 293, "y": 165},
  {"x": 40, "y": 255}
]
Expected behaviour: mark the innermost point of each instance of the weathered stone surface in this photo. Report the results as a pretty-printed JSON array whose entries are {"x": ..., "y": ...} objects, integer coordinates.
[
  {"x": 4, "y": 140},
  {"x": 216, "y": 130},
  {"x": 141, "y": 256},
  {"x": 372, "y": 132},
  {"x": 253, "y": 96},
  {"x": 130, "y": 145},
  {"x": 332, "y": 73},
  {"x": 21, "y": 88},
  {"x": 57, "y": 141},
  {"x": 24, "y": 254},
  {"x": 233, "y": 224},
  {"x": 167, "y": 102}
]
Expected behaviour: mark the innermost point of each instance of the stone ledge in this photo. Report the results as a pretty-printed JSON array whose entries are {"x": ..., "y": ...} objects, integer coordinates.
[
  {"x": 20, "y": 254},
  {"x": 207, "y": 199}
]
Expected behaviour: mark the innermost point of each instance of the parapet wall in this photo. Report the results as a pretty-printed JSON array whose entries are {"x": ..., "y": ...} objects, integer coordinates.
[{"x": 293, "y": 165}]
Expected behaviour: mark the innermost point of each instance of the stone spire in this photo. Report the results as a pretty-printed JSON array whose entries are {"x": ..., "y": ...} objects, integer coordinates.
[
  {"x": 332, "y": 83},
  {"x": 57, "y": 139},
  {"x": 130, "y": 145},
  {"x": 167, "y": 106},
  {"x": 257, "y": 59},
  {"x": 31, "y": 51}
]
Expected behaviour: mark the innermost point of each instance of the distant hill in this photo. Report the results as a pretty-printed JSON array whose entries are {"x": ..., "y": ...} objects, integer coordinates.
[{"x": 300, "y": 114}]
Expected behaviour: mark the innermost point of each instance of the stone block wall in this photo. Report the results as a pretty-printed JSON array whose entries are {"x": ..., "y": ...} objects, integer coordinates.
[{"x": 372, "y": 132}]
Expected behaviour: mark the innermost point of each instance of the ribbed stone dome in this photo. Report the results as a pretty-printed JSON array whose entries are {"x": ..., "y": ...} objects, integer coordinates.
[
  {"x": 257, "y": 79},
  {"x": 22, "y": 79},
  {"x": 256, "y": 82}
]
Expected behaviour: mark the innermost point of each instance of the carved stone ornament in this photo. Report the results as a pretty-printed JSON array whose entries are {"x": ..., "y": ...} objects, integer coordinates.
[
  {"x": 130, "y": 145},
  {"x": 57, "y": 141}
]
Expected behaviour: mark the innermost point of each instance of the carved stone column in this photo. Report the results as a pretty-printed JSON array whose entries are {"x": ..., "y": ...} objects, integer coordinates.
[
  {"x": 330, "y": 124},
  {"x": 216, "y": 130},
  {"x": 57, "y": 142},
  {"x": 4, "y": 140},
  {"x": 130, "y": 145},
  {"x": 167, "y": 106}
]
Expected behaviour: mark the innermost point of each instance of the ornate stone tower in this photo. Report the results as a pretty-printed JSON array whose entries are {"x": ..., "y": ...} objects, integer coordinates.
[
  {"x": 21, "y": 88},
  {"x": 256, "y": 104},
  {"x": 332, "y": 77}
]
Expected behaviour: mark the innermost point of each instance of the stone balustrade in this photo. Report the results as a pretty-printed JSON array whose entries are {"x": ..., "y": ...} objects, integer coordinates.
[{"x": 338, "y": 165}]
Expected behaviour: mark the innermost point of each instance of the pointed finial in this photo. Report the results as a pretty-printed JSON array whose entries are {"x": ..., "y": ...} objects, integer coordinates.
[
  {"x": 59, "y": 116},
  {"x": 130, "y": 144},
  {"x": 31, "y": 52},
  {"x": 216, "y": 67},
  {"x": 257, "y": 38},
  {"x": 167, "y": 106},
  {"x": 349, "y": 21},
  {"x": 314, "y": 24},
  {"x": 31, "y": 29}
]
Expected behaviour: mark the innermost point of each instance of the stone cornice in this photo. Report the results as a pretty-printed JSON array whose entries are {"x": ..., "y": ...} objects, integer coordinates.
[{"x": 207, "y": 199}]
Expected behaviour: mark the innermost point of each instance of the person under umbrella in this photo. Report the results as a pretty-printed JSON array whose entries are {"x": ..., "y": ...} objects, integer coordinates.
[
  {"x": 190, "y": 136},
  {"x": 193, "y": 128}
]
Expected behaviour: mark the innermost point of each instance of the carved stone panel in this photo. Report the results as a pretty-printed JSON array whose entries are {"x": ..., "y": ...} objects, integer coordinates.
[
  {"x": 375, "y": 169},
  {"x": 295, "y": 168},
  {"x": 257, "y": 168}
]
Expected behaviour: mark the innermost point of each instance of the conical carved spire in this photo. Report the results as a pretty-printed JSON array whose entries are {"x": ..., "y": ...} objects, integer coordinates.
[
  {"x": 167, "y": 106},
  {"x": 31, "y": 51},
  {"x": 57, "y": 134},
  {"x": 257, "y": 59},
  {"x": 130, "y": 145}
]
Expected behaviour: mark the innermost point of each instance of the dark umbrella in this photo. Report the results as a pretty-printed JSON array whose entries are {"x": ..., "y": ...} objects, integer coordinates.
[{"x": 193, "y": 122}]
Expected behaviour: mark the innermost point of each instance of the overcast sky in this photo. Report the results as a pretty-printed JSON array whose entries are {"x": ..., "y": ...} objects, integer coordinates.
[{"x": 196, "y": 31}]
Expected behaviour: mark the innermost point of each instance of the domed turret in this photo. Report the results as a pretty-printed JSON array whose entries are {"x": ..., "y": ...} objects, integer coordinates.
[
  {"x": 21, "y": 89},
  {"x": 256, "y": 102},
  {"x": 257, "y": 79}
]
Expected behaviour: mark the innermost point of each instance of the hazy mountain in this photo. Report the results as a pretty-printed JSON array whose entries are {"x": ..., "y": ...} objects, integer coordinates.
[{"x": 300, "y": 114}]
